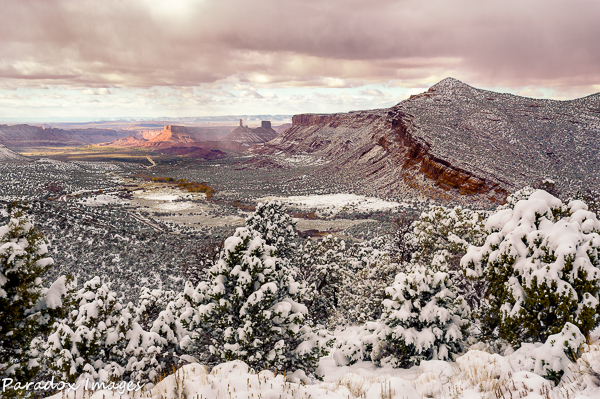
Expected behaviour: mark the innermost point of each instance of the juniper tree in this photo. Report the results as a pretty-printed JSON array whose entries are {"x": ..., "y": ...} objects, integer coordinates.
[
  {"x": 275, "y": 227},
  {"x": 27, "y": 309},
  {"x": 541, "y": 267},
  {"x": 251, "y": 310},
  {"x": 325, "y": 268},
  {"x": 100, "y": 339},
  {"x": 423, "y": 319}
]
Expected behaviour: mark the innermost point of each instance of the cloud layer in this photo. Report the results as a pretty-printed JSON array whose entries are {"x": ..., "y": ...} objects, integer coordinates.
[{"x": 141, "y": 44}]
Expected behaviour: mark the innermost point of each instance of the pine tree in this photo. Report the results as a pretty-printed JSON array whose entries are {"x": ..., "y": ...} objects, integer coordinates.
[
  {"x": 27, "y": 310},
  {"x": 250, "y": 310},
  {"x": 541, "y": 266}
]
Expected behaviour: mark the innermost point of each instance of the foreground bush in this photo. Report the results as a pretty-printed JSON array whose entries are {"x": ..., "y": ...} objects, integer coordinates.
[
  {"x": 251, "y": 310},
  {"x": 424, "y": 319},
  {"x": 541, "y": 268},
  {"x": 27, "y": 310}
]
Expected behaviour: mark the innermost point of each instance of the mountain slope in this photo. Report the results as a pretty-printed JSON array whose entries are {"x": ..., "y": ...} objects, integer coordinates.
[{"x": 454, "y": 140}]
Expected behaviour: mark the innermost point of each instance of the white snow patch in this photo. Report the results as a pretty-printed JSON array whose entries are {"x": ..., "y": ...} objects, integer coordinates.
[{"x": 338, "y": 202}]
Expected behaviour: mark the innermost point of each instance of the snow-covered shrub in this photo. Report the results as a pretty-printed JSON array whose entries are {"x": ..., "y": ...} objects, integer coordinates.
[
  {"x": 357, "y": 344},
  {"x": 324, "y": 267},
  {"x": 541, "y": 267},
  {"x": 150, "y": 303},
  {"x": 558, "y": 352},
  {"x": 402, "y": 243},
  {"x": 449, "y": 232},
  {"x": 370, "y": 272},
  {"x": 275, "y": 227},
  {"x": 251, "y": 310},
  {"x": 99, "y": 338},
  {"x": 424, "y": 319},
  {"x": 27, "y": 310}
]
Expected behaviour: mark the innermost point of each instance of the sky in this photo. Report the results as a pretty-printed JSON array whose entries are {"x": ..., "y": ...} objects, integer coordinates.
[{"x": 103, "y": 59}]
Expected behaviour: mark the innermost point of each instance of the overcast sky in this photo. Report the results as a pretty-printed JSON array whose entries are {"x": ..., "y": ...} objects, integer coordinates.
[{"x": 151, "y": 58}]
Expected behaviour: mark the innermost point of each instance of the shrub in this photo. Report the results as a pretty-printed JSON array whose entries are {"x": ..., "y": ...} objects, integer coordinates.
[
  {"x": 424, "y": 319},
  {"x": 27, "y": 310},
  {"x": 250, "y": 310},
  {"x": 541, "y": 267},
  {"x": 100, "y": 339}
]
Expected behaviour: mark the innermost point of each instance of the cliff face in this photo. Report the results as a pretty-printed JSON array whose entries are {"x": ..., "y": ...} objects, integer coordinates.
[{"x": 454, "y": 142}]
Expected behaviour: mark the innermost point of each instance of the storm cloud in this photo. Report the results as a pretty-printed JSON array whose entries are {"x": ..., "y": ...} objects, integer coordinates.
[{"x": 300, "y": 43}]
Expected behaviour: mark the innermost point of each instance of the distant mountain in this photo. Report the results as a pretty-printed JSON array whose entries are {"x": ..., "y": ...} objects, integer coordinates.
[
  {"x": 20, "y": 136},
  {"x": 251, "y": 136},
  {"x": 7, "y": 155},
  {"x": 169, "y": 135},
  {"x": 453, "y": 142}
]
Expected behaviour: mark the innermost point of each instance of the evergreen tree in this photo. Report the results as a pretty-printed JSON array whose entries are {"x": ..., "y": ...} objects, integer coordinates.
[
  {"x": 27, "y": 310},
  {"x": 371, "y": 271},
  {"x": 448, "y": 232},
  {"x": 424, "y": 319},
  {"x": 250, "y": 310},
  {"x": 541, "y": 266},
  {"x": 324, "y": 266},
  {"x": 275, "y": 227},
  {"x": 100, "y": 339}
]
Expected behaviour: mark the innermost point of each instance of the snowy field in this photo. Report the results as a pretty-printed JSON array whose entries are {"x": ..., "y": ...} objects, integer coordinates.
[{"x": 331, "y": 204}]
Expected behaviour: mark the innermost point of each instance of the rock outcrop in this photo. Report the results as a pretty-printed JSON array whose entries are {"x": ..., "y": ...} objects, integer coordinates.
[
  {"x": 251, "y": 136},
  {"x": 453, "y": 142},
  {"x": 170, "y": 135}
]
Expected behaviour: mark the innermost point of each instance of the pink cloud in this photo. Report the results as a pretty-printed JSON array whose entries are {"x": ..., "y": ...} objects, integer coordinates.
[{"x": 337, "y": 43}]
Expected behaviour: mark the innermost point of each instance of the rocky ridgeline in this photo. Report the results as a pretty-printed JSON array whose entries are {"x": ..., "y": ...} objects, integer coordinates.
[
  {"x": 20, "y": 136},
  {"x": 251, "y": 136},
  {"x": 454, "y": 142}
]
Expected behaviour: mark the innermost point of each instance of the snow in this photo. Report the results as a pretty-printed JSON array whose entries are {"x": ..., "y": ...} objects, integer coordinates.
[
  {"x": 101, "y": 199},
  {"x": 337, "y": 202},
  {"x": 476, "y": 374}
]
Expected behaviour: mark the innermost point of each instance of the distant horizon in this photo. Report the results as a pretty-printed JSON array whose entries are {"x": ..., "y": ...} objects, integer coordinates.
[{"x": 225, "y": 117}]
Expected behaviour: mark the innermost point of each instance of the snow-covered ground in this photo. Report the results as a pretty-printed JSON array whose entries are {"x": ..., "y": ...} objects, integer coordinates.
[
  {"x": 335, "y": 203},
  {"x": 475, "y": 375}
]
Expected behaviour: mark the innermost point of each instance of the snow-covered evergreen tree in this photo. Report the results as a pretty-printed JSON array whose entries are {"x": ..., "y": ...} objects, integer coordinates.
[
  {"x": 275, "y": 227},
  {"x": 251, "y": 310},
  {"x": 27, "y": 310},
  {"x": 100, "y": 339},
  {"x": 325, "y": 268},
  {"x": 371, "y": 271},
  {"x": 448, "y": 232},
  {"x": 424, "y": 318},
  {"x": 150, "y": 304},
  {"x": 541, "y": 266}
]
